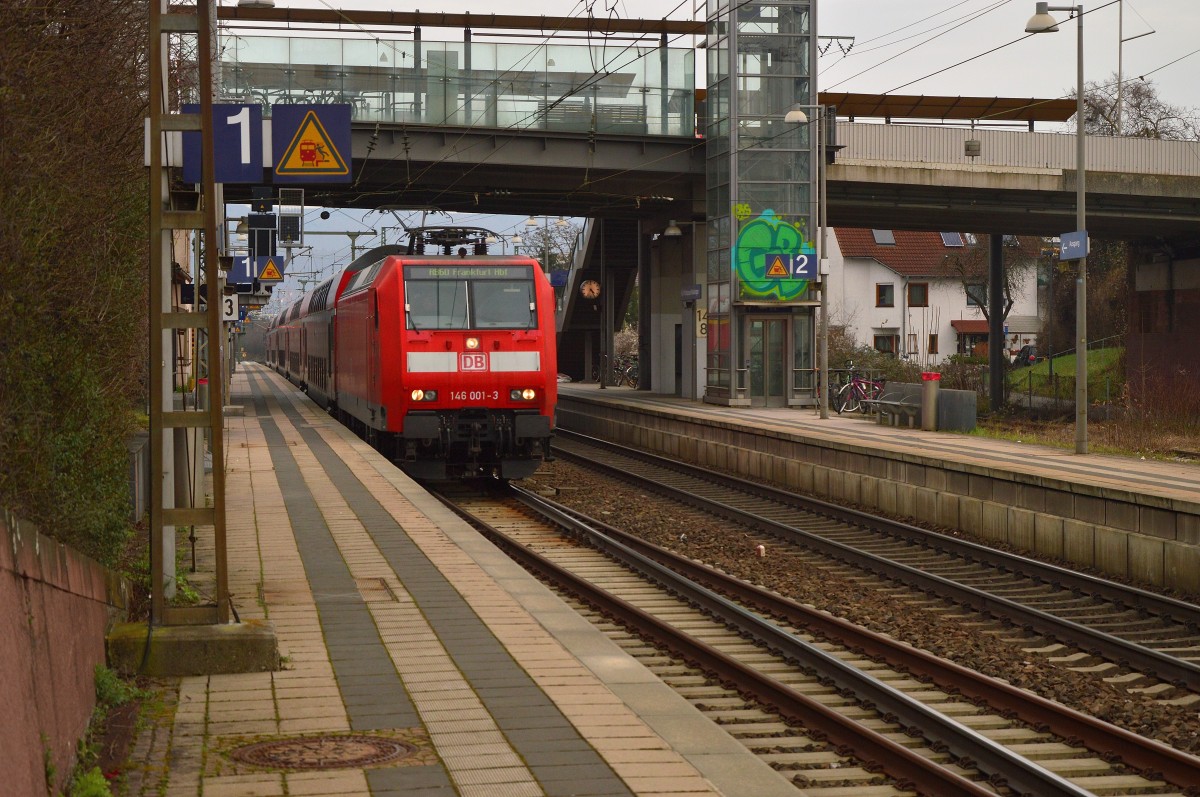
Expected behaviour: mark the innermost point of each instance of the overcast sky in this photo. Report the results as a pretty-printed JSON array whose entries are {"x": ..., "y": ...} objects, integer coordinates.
[{"x": 899, "y": 41}]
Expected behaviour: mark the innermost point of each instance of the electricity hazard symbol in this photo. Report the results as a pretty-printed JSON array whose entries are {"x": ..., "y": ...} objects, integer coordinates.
[
  {"x": 776, "y": 267},
  {"x": 315, "y": 151},
  {"x": 270, "y": 271}
]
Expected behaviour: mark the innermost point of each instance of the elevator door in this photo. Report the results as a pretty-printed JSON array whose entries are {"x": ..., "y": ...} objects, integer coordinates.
[{"x": 766, "y": 351}]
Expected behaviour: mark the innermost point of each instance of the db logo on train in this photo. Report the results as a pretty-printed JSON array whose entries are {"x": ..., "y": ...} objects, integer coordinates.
[{"x": 474, "y": 361}]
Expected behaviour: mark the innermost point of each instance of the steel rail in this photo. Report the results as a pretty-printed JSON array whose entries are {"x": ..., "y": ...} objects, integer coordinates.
[
  {"x": 900, "y": 762},
  {"x": 1108, "y": 740},
  {"x": 1159, "y": 665},
  {"x": 1187, "y": 614}
]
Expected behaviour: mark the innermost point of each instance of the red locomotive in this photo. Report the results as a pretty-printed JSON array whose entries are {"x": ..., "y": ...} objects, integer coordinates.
[{"x": 444, "y": 362}]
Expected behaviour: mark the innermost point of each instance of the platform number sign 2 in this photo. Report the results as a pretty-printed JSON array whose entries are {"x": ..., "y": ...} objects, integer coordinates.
[
  {"x": 229, "y": 308},
  {"x": 701, "y": 322}
]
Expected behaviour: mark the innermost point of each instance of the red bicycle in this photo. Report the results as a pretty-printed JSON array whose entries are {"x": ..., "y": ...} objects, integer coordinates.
[{"x": 851, "y": 396}]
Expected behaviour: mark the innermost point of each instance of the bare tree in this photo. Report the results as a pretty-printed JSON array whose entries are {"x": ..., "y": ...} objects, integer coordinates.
[
  {"x": 1143, "y": 113},
  {"x": 1021, "y": 254},
  {"x": 552, "y": 244}
]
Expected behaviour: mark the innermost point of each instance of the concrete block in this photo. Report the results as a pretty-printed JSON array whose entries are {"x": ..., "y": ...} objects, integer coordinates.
[
  {"x": 886, "y": 500},
  {"x": 1112, "y": 550},
  {"x": 1059, "y": 502},
  {"x": 1120, "y": 514},
  {"x": 820, "y": 481},
  {"x": 836, "y": 485},
  {"x": 1089, "y": 509},
  {"x": 939, "y": 479},
  {"x": 249, "y": 646},
  {"x": 1181, "y": 567},
  {"x": 1079, "y": 542},
  {"x": 1187, "y": 528},
  {"x": 1048, "y": 536},
  {"x": 926, "y": 505},
  {"x": 1022, "y": 528},
  {"x": 995, "y": 521},
  {"x": 868, "y": 491},
  {"x": 980, "y": 487},
  {"x": 1004, "y": 492},
  {"x": 1157, "y": 523},
  {"x": 914, "y": 474},
  {"x": 906, "y": 500},
  {"x": 957, "y": 482},
  {"x": 852, "y": 487},
  {"x": 947, "y": 509},
  {"x": 970, "y": 515},
  {"x": 1030, "y": 497},
  {"x": 1146, "y": 558},
  {"x": 804, "y": 477}
]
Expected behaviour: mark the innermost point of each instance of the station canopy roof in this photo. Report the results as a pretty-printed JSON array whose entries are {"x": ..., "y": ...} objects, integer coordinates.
[{"x": 980, "y": 109}]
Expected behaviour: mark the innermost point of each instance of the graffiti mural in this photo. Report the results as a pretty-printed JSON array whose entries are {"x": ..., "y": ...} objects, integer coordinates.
[{"x": 773, "y": 258}]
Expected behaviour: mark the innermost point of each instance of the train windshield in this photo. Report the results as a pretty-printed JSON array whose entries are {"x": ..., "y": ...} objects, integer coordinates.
[{"x": 438, "y": 298}]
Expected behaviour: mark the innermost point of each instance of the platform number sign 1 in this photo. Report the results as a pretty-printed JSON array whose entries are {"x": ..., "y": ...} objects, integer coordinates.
[
  {"x": 701, "y": 322},
  {"x": 229, "y": 308},
  {"x": 237, "y": 144}
]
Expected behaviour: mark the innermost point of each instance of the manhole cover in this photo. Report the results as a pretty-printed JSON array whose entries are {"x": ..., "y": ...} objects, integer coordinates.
[{"x": 323, "y": 752}]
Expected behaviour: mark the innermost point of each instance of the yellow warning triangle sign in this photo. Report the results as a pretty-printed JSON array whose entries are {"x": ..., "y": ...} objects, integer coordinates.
[
  {"x": 270, "y": 271},
  {"x": 777, "y": 268},
  {"x": 312, "y": 151}
]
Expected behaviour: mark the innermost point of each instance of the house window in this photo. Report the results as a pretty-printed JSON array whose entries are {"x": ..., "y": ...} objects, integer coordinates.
[
  {"x": 933, "y": 343},
  {"x": 884, "y": 237},
  {"x": 952, "y": 239},
  {"x": 887, "y": 343},
  {"x": 885, "y": 295},
  {"x": 976, "y": 294},
  {"x": 918, "y": 294}
]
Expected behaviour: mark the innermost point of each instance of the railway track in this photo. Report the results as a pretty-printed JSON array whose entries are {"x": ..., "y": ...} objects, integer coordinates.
[
  {"x": 810, "y": 690},
  {"x": 1148, "y": 643}
]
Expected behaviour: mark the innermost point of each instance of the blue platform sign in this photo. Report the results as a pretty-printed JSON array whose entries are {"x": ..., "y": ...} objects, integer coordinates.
[
  {"x": 785, "y": 265},
  {"x": 311, "y": 143},
  {"x": 1074, "y": 245},
  {"x": 237, "y": 144},
  {"x": 264, "y": 267}
]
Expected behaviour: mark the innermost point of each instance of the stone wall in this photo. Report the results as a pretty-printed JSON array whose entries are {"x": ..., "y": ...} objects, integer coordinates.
[
  {"x": 1119, "y": 532},
  {"x": 55, "y": 606}
]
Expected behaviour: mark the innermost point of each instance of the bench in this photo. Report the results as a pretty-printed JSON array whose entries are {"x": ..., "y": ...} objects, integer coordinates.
[
  {"x": 892, "y": 410},
  {"x": 578, "y": 115}
]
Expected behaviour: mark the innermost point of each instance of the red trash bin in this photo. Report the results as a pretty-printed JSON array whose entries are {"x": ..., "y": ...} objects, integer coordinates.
[{"x": 930, "y": 383}]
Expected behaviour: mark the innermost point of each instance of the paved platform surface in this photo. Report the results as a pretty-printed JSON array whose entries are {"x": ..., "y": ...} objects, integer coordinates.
[
  {"x": 1174, "y": 480},
  {"x": 398, "y": 621}
]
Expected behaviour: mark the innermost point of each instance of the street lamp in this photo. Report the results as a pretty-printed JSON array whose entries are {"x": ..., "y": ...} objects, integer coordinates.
[
  {"x": 797, "y": 116},
  {"x": 1042, "y": 22}
]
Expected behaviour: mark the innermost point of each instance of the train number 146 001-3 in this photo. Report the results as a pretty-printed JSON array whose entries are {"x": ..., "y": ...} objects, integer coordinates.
[{"x": 474, "y": 395}]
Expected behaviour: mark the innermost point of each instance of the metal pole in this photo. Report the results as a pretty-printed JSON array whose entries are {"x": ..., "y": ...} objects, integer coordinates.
[
  {"x": 822, "y": 254},
  {"x": 1081, "y": 371},
  {"x": 1120, "y": 59}
]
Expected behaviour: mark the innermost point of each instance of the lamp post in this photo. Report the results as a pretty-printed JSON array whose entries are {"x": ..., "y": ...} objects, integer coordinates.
[
  {"x": 1042, "y": 22},
  {"x": 798, "y": 117}
]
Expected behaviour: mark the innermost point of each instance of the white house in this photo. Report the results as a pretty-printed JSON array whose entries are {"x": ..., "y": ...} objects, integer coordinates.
[{"x": 906, "y": 292}]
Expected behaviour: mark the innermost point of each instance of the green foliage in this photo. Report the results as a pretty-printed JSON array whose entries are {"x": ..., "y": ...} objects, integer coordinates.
[
  {"x": 112, "y": 690},
  {"x": 1106, "y": 376},
  {"x": 90, "y": 784},
  {"x": 73, "y": 259}
]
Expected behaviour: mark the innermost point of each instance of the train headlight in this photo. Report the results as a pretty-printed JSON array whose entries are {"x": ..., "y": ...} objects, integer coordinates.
[
  {"x": 424, "y": 395},
  {"x": 517, "y": 394},
  {"x": 472, "y": 343}
]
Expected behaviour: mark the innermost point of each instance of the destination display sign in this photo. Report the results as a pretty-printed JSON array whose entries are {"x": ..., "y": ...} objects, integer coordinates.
[{"x": 465, "y": 272}]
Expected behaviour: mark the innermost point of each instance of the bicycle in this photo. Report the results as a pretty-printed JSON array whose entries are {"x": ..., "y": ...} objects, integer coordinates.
[{"x": 850, "y": 396}]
